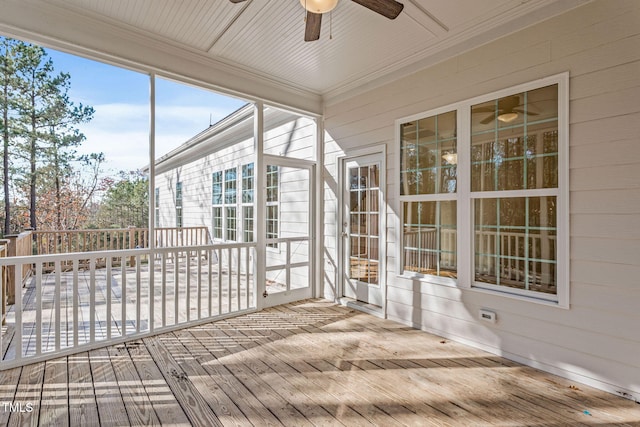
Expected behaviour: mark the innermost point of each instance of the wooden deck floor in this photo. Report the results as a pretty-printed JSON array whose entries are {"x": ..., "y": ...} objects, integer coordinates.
[{"x": 308, "y": 363}]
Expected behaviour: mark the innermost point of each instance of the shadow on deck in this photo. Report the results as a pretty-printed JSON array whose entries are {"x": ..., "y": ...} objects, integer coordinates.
[{"x": 307, "y": 363}]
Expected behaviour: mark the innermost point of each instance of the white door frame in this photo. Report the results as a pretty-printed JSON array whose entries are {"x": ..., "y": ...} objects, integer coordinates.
[
  {"x": 310, "y": 291},
  {"x": 380, "y": 150}
]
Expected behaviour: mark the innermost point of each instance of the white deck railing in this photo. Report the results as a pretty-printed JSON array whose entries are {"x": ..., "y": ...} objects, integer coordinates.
[
  {"x": 515, "y": 248},
  {"x": 80, "y": 305}
]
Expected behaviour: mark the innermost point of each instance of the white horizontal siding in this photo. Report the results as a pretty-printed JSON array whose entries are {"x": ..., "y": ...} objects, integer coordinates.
[{"x": 596, "y": 341}]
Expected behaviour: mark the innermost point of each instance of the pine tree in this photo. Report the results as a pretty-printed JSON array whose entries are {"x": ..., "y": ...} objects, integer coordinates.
[{"x": 47, "y": 117}]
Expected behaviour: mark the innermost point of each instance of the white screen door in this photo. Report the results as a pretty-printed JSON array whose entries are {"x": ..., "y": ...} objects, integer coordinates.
[
  {"x": 362, "y": 200},
  {"x": 289, "y": 230}
]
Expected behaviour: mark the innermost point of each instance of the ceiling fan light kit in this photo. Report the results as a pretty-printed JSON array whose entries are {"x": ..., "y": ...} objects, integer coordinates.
[
  {"x": 319, "y": 6},
  {"x": 315, "y": 8},
  {"x": 508, "y": 117}
]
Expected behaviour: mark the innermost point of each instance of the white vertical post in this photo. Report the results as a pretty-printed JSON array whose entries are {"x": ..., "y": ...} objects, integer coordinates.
[
  {"x": 260, "y": 197},
  {"x": 152, "y": 197},
  {"x": 317, "y": 214}
]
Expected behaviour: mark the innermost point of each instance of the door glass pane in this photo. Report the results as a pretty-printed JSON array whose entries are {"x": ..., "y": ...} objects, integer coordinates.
[{"x": 364, "y": 223}]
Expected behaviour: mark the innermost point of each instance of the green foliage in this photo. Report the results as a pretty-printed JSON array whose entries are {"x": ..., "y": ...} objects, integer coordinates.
[
  {"x": 39, "y": 130},
  {"x": 125, "y": 202}
]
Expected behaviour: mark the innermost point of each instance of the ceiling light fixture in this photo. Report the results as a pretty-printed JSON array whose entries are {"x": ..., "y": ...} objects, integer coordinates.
[
  {"x": 451, "y": 158},
  {"x": 508, "y": 117},
  {"x": 319, "y": 6}
]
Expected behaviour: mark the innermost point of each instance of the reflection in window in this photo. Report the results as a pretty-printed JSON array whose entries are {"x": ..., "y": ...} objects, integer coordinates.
[
  {"x": 514, "y": 147},
  {"x": 428, "y": 187},
  {"x": 430, "y": 238}
]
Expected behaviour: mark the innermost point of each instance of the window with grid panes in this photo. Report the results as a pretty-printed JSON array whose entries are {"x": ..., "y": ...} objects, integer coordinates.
[
  {"x": 428, "y": 180},
  {"x": 511, "y": 194},
  {"x": 179, "y": 204},
  {"x": 216, "y": 201},
  {"x": 272, "y": 221},
  {"x": 248, "y": 183}
]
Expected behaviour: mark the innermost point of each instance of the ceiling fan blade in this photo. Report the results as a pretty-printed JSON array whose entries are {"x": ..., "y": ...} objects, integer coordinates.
[
  {"x": 528, "y": 113},
  {"x": 489, "y": 119},
  {"x": 387, "y": 8},
  {"x": 312, "y": 28},
  {"x": 237, "y": 1}
]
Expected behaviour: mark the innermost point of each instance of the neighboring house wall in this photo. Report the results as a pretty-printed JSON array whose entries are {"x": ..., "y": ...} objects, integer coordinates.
[
  {"x": 597, "y": 340},
  {"x": 285, "y": 135}
]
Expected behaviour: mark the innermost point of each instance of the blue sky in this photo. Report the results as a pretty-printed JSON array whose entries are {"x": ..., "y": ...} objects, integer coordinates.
[{"x": 120, "y": 127}]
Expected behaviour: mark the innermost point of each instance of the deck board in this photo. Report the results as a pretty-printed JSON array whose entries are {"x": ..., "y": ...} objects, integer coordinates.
[
  {"x": 305, "y": 363},
  {"x": 111, "y": 408},
  {"x": 83, "y": 409},
  {"x": 55, "y": 395}
]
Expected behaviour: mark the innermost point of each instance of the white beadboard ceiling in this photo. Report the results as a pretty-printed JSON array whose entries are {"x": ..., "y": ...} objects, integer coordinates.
[{"x": 265, "y": 37}]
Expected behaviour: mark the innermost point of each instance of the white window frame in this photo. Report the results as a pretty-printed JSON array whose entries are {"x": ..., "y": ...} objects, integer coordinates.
[
  {"x": 220, "y": 206},
  {"x": 180, "y": 207},
  {"x": 157, "y": 207},
  {"x": 243, "y": 204},
  {"x": 465, "y": 198},
  {"x": 273, "y": 247}
]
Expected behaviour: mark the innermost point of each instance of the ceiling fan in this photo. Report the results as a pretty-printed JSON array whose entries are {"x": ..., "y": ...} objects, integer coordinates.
[
  {"x": 315, "y": 8},
  {"x": 509, "y": 109}
]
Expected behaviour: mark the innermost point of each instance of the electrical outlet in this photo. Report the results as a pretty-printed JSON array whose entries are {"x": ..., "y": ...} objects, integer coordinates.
[{"x": 488, "y": 316}]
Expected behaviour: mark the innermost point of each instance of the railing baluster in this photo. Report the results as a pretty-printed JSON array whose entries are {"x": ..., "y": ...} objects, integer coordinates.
[
  {"x": 56, "y": 302},
  {"x": 92, "y": 300},
  {"x": 219, "y": 281},
  {"x": 246, "y": 276},
  {"x": 288, "y": 266},
  {"x": 123, "y": 296},
  {"x": 239, "y": 261},
  {"x": 176, "y": 281},
  {"x": 199, "y": 283},
  {"x": 187, "y": 258},
  {"x": 138, "y": 293},
  {"x": 38, "y": 308},
  {"x": 17, "y": 278},
  {"x": 164, "y": 288},
  {"x": 229, "y": 275},
  {"x": 109, "y": 293},
  {"x": 210, "y": 253},
  {"x": 76, "y": 302},
  {"x": 151, "y": 293}
]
